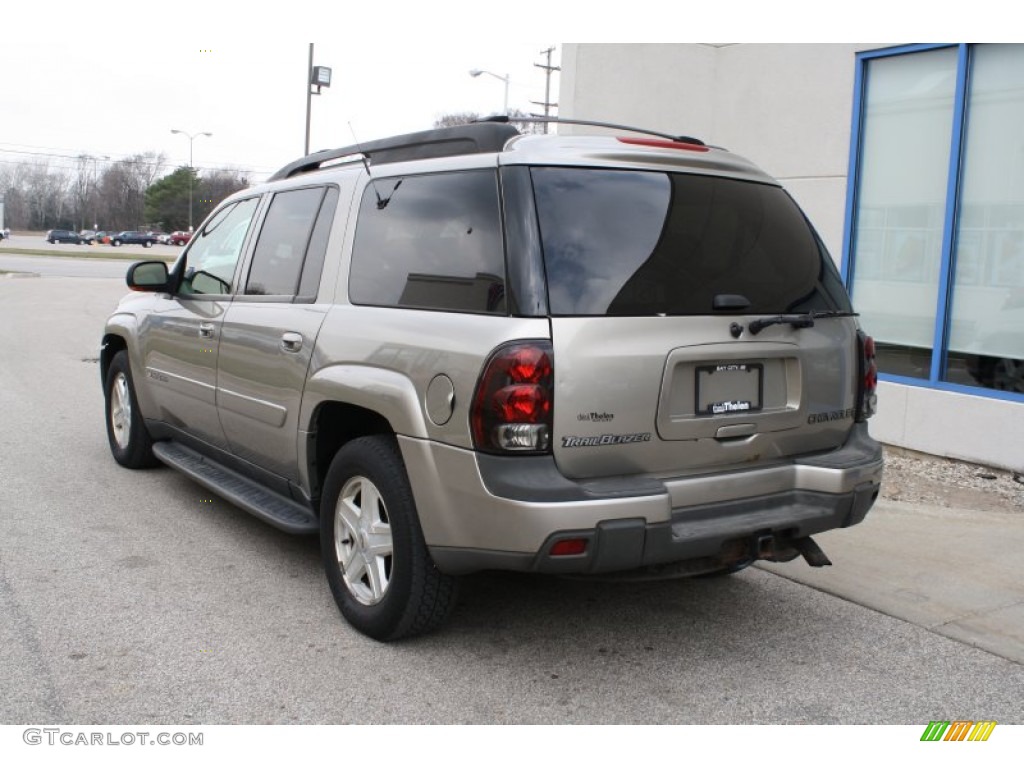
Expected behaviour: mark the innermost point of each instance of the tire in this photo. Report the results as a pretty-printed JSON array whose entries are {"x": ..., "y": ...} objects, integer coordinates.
[
  {"x": 147, "y": 244},
  {"x": 368, "y": 511},
  {"x": 115, "y": 243},
  {"x": 130, "y": 443}
]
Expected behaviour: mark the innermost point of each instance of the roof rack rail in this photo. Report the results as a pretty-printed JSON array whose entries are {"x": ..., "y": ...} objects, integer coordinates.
[
  {"x": 572, "y": 121},
  {"x": 469, "y": 139}
]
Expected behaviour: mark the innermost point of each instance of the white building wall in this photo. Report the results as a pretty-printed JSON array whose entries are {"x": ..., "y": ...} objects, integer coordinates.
[
  {"x": 789, "y": 109},
  {"x": 622, "y": 82}
]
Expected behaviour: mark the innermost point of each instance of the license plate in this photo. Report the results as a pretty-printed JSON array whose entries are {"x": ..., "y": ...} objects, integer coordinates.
[{"x": 728, "y": 388}]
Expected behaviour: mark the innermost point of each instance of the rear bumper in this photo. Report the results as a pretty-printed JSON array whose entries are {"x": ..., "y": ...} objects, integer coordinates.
[{"x": 480, "y": 512}]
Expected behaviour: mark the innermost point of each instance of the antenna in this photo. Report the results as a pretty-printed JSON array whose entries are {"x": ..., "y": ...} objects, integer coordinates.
[{"x": 381, "y": 202}]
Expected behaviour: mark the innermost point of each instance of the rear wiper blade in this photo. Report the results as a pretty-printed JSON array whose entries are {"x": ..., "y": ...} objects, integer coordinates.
[
  {"x": 820, "y": 313},
  {"x": 797, "y": 321}
]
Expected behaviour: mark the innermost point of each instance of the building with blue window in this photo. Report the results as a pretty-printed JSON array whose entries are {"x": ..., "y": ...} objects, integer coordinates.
[{"x": 909, "y": 160}]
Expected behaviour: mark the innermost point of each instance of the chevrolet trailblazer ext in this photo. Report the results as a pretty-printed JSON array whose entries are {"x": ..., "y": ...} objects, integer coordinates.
[{"x": 469, "y": 349}]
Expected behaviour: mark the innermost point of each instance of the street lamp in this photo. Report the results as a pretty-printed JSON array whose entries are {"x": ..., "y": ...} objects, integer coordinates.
[
  {"x": 319, "y": 77},
  {"x": 505, "y": 79},
  {"x": 92, "y": 191},
  {"x": 191, "y": 137}
]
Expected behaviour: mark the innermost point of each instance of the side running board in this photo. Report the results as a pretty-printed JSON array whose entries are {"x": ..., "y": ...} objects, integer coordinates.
[{"x": 270, "y": 507}]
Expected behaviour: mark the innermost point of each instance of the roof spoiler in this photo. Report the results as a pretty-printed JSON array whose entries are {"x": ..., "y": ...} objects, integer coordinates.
[
  {"x": 502, "y": 119},
  {"x": 470, "y": 139}
]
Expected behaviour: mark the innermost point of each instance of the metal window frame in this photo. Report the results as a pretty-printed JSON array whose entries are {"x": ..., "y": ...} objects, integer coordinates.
[{"x": 947, "y": 272}]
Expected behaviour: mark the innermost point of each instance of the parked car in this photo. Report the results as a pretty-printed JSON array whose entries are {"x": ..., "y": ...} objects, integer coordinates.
[
  {"x": 102, "y": 238},
  {"x": 63, "y": 236},
  {"x": 162, "y": 237},
  {"x": 180, "y": 238},
  {"x": 87, "y": 236},
  {"x": 487, "y": 350},
  {"x": 132, "y": 238}
]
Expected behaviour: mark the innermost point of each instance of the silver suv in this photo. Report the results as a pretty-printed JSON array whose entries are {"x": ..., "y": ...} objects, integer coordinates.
[{"x": 470, "y": 349}]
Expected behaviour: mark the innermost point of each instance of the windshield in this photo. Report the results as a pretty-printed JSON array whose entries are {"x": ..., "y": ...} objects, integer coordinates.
[{"x": 649, "y": 243}]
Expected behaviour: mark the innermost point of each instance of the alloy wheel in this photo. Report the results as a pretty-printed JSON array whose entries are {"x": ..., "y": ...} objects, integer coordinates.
[
  {"x": 121, "y": 410},
  {"x": 362, "y": 540}
]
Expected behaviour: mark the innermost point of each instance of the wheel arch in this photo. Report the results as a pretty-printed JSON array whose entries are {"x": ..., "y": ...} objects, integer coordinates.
[
  {"x": 332, "y": 426},
  {"x": 121, "y": 334},
  {"x": 112, "y": 344}
]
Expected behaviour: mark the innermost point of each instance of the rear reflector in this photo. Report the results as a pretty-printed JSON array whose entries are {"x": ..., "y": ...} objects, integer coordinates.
[{"x": 569, "y": 547}]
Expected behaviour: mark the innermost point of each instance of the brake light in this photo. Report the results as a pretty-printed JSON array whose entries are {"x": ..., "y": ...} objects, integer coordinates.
[
  {"x": 663, "y": 144},
  {"x": 512, "y": 405},
  {"x": 867, "y": 374}
]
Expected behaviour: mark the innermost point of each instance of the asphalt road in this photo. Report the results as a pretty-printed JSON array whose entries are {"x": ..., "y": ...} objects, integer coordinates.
[
  {"x": 56, "y": 266},
  {"x": 38, "y": 242},
  {"x": 136, "y": 597}
]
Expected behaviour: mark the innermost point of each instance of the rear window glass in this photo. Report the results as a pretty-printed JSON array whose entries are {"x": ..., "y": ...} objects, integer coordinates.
[{"x": 648, "y": 243}]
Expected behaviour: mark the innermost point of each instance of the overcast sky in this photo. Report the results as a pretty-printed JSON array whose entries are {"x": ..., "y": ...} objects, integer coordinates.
[
  {"x": 79, "y": 96},
  {"x": 110, "y": 79}
]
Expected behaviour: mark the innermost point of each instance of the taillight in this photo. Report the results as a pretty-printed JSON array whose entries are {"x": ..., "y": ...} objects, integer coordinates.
[
  {"x": 867, "y": 375},
  {"x": 512, "y": 405}
]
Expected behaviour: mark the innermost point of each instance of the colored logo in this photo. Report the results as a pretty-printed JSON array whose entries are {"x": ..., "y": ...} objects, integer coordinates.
[{"x": 958, "y": 730}]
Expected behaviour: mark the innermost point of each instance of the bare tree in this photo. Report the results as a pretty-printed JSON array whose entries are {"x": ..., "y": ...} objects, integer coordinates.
[
  {"x": 82, "y": 191},
  {"x": 12, "y": 186},
  {"x": 123, "y": 188},
  {"x": 214, "y": 186},
  {"x": 45, "y": 196},
  {"x": 462, "y": 118},
  {"x": 452, "y": 119}
]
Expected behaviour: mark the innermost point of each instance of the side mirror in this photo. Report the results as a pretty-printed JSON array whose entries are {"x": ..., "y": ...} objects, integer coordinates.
[{"x": 147, "y": 276}]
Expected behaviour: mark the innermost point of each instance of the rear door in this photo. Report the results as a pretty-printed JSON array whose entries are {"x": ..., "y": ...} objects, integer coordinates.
[
  {"x": 654, "y": 281},
  {"x": 270, "y": 330}
]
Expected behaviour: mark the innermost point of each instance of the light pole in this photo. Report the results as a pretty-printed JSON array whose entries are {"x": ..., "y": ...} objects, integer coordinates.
[
  {"x": 95, "y": 179},
  {"x": 321, "y": 78},
  {"x": 191, "y": 137},
  {"x": 505, "y": 79}
]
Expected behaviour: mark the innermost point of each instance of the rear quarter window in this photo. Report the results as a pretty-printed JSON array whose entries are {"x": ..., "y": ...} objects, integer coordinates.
[{"x": 430, "y": 242}]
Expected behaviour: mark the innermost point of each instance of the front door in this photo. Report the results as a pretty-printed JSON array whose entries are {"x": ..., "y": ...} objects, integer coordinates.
[{"x": 180, "y": 339}]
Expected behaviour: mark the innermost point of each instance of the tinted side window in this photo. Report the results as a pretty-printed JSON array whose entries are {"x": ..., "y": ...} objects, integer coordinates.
[
  {"x": 281, "y": 248},
  {"x": 435, "y": 244},
  {"x": 645, "y": 243},
  {"x": 214, "y": 251},
  {"x": 311, "y": 271}
]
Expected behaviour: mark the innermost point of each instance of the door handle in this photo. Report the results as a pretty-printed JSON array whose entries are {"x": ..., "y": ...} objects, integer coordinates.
[
  {"x": 206, "y": 330},
  {"x": 291, "y": 342}
]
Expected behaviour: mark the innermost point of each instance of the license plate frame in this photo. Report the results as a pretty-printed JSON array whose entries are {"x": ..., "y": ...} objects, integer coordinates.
[{"x": 738, "y": 388}]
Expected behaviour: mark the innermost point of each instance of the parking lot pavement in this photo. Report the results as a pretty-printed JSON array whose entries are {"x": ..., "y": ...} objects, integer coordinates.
[
  {"x": 956, "y": 572},
  {"x": 37, "y": 243},
  {"x": 137, "y": 597},
  {"x": 16, "y": 265}
]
